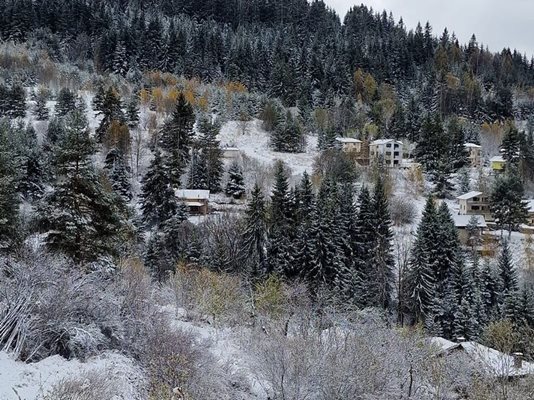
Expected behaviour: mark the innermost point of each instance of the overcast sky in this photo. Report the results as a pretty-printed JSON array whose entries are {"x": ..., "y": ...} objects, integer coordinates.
[{"x": 496, "y": 23}]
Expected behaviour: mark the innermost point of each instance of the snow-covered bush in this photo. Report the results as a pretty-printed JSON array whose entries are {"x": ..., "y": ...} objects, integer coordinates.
[
  {"x": 48, "y": 307},
  {"x": 217, "y": 296},
  {"x": 402, "y": 210},
  {"x": 91, "y": 385},
  {"x": 367, "y": 361}
]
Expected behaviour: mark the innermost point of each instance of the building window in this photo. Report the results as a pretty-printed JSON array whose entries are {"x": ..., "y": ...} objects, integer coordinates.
[{"x": 476, "y": 208}]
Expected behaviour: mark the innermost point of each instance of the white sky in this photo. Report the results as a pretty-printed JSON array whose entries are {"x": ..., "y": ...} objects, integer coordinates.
[{"x": 496, "y": 23}]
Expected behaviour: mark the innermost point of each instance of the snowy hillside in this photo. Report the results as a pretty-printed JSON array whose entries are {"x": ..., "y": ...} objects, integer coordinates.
[{"x": 254, "y": 142}]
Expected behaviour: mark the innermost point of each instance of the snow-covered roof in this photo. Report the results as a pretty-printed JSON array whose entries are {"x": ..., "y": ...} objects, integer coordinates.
[
  {"x": 229, "y": 149},
  {"x": 469, "y": 195},
  {"x": 384, "y": 141},
  {"x": 490, "y": 360},
  {"x": 348, "y": 140},
  {"x": 497, "y": 159},
  {"x": 461, "y": 221},
  {"x": 192, "y": 194},
  {"x": 472, "y": 145}
]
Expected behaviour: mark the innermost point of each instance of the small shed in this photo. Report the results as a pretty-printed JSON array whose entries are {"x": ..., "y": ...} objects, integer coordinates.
[{"x": 196, "y": 200}]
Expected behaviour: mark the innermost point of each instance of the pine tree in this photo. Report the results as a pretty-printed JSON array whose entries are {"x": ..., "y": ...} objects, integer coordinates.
[
  {"x": 119, "y": 173},
  {"x": 489, "y": 291},
  {"x": 17, "y": 102},
  {"x": 328, "y": 256},
  {"x": 31, "y": 183},
  {"x": 288, "y": 136},
  {"x": 235, "y": 186},
  {"x": 9, "y": 202},
  {"x": 132, "y": 112},
  {"x": 506, "y": 201},
  {"x": 111, "y": 110},
  {"x": 158, "y": 201},
  {"x": 41, "y": 110},
  {"x": 511, "y": 147},
  {"x": 176, "y": 139},
  {"x": 98, "y": 99},
  {"x": 362, "y": 248},
  {"x": 79, "y": 217},
  {"x": 382, "y": 257},
  {"x": 198, "y": 174},
  {"x": 421, "y": 279},
  {"x": 166, "y": 245},
  {"x": 458, "y": 153},
  {"x": 507, "y": 272},
  {"x": 278, "y": 251},
  {"x": 66, "y": 102},
  {"x": 211, "y": 153},
  {"x": 255, "y": 235}
]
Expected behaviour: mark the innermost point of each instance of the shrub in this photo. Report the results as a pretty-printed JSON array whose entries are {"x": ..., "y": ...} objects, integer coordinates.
[{"x": 403, "y": 211}]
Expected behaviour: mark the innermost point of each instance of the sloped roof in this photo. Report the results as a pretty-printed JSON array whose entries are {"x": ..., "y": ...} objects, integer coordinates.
[
  {"x": 192, "y": 194},
  {"x": 348, "y": 140},
  {"x": 461, "y": 221},
  {"x": 490, "y": 360},
  {"x": 385, "y": 141},
  {"x": 469, "y": 195},
  {"x": 497, "y": 159},
  {"x": 472, "y": 145}
]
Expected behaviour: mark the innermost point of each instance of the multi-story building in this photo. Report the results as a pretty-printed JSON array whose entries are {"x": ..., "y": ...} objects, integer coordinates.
[
  {"x": 475, "y": 154},
  {"x": 388, "y": 151},
  {"x": 475, "y": 203}
]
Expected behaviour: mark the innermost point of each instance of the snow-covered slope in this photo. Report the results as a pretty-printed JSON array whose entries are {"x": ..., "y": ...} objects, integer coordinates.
[
  {"x": 20, "y": 381},
  {"x": 253, "y": 141}
]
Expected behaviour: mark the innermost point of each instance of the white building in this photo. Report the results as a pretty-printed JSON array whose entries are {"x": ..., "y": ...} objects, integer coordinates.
[
  {"x": 389, "y": 151},
  {"x": 475, "y": 154}
]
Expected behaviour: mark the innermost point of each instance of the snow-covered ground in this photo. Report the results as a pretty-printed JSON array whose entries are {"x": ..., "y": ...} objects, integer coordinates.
[
  {"x": 254, "y": 143},
  {"x": 21, "y": 381}
]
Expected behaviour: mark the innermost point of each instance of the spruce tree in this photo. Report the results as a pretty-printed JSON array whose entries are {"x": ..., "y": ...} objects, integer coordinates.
[
  {"x": 79, "y": 217},
  {"x": 278, "y": 251},
  {"x": 17, "y": 102},
  {"x": 98, "y": 99},
  {"x": 41, "y": 110},
  {"x": 235, "y": 186},
  {"x": 421, "y": 279},
  {"x": 382, "y": 257},
  {"x": 255, "y": 235},
  {"x": 111, "y": 110},
  {"x": 158, "y": 200},
  {"x": 132, "y": 112},
  {"x": 66, "y": 102},
  {"x": 506, "y": 201},
  {"x": 119, "y": 173},
  {"x": 511, "y": 147},
  {"x": 9, "y": 201},
  {"x": 211, "y": 153},
  {"x": 508, "y": 281},
  {"x": 176, "y": 139},
  {"x": 198, "y": 174}
]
